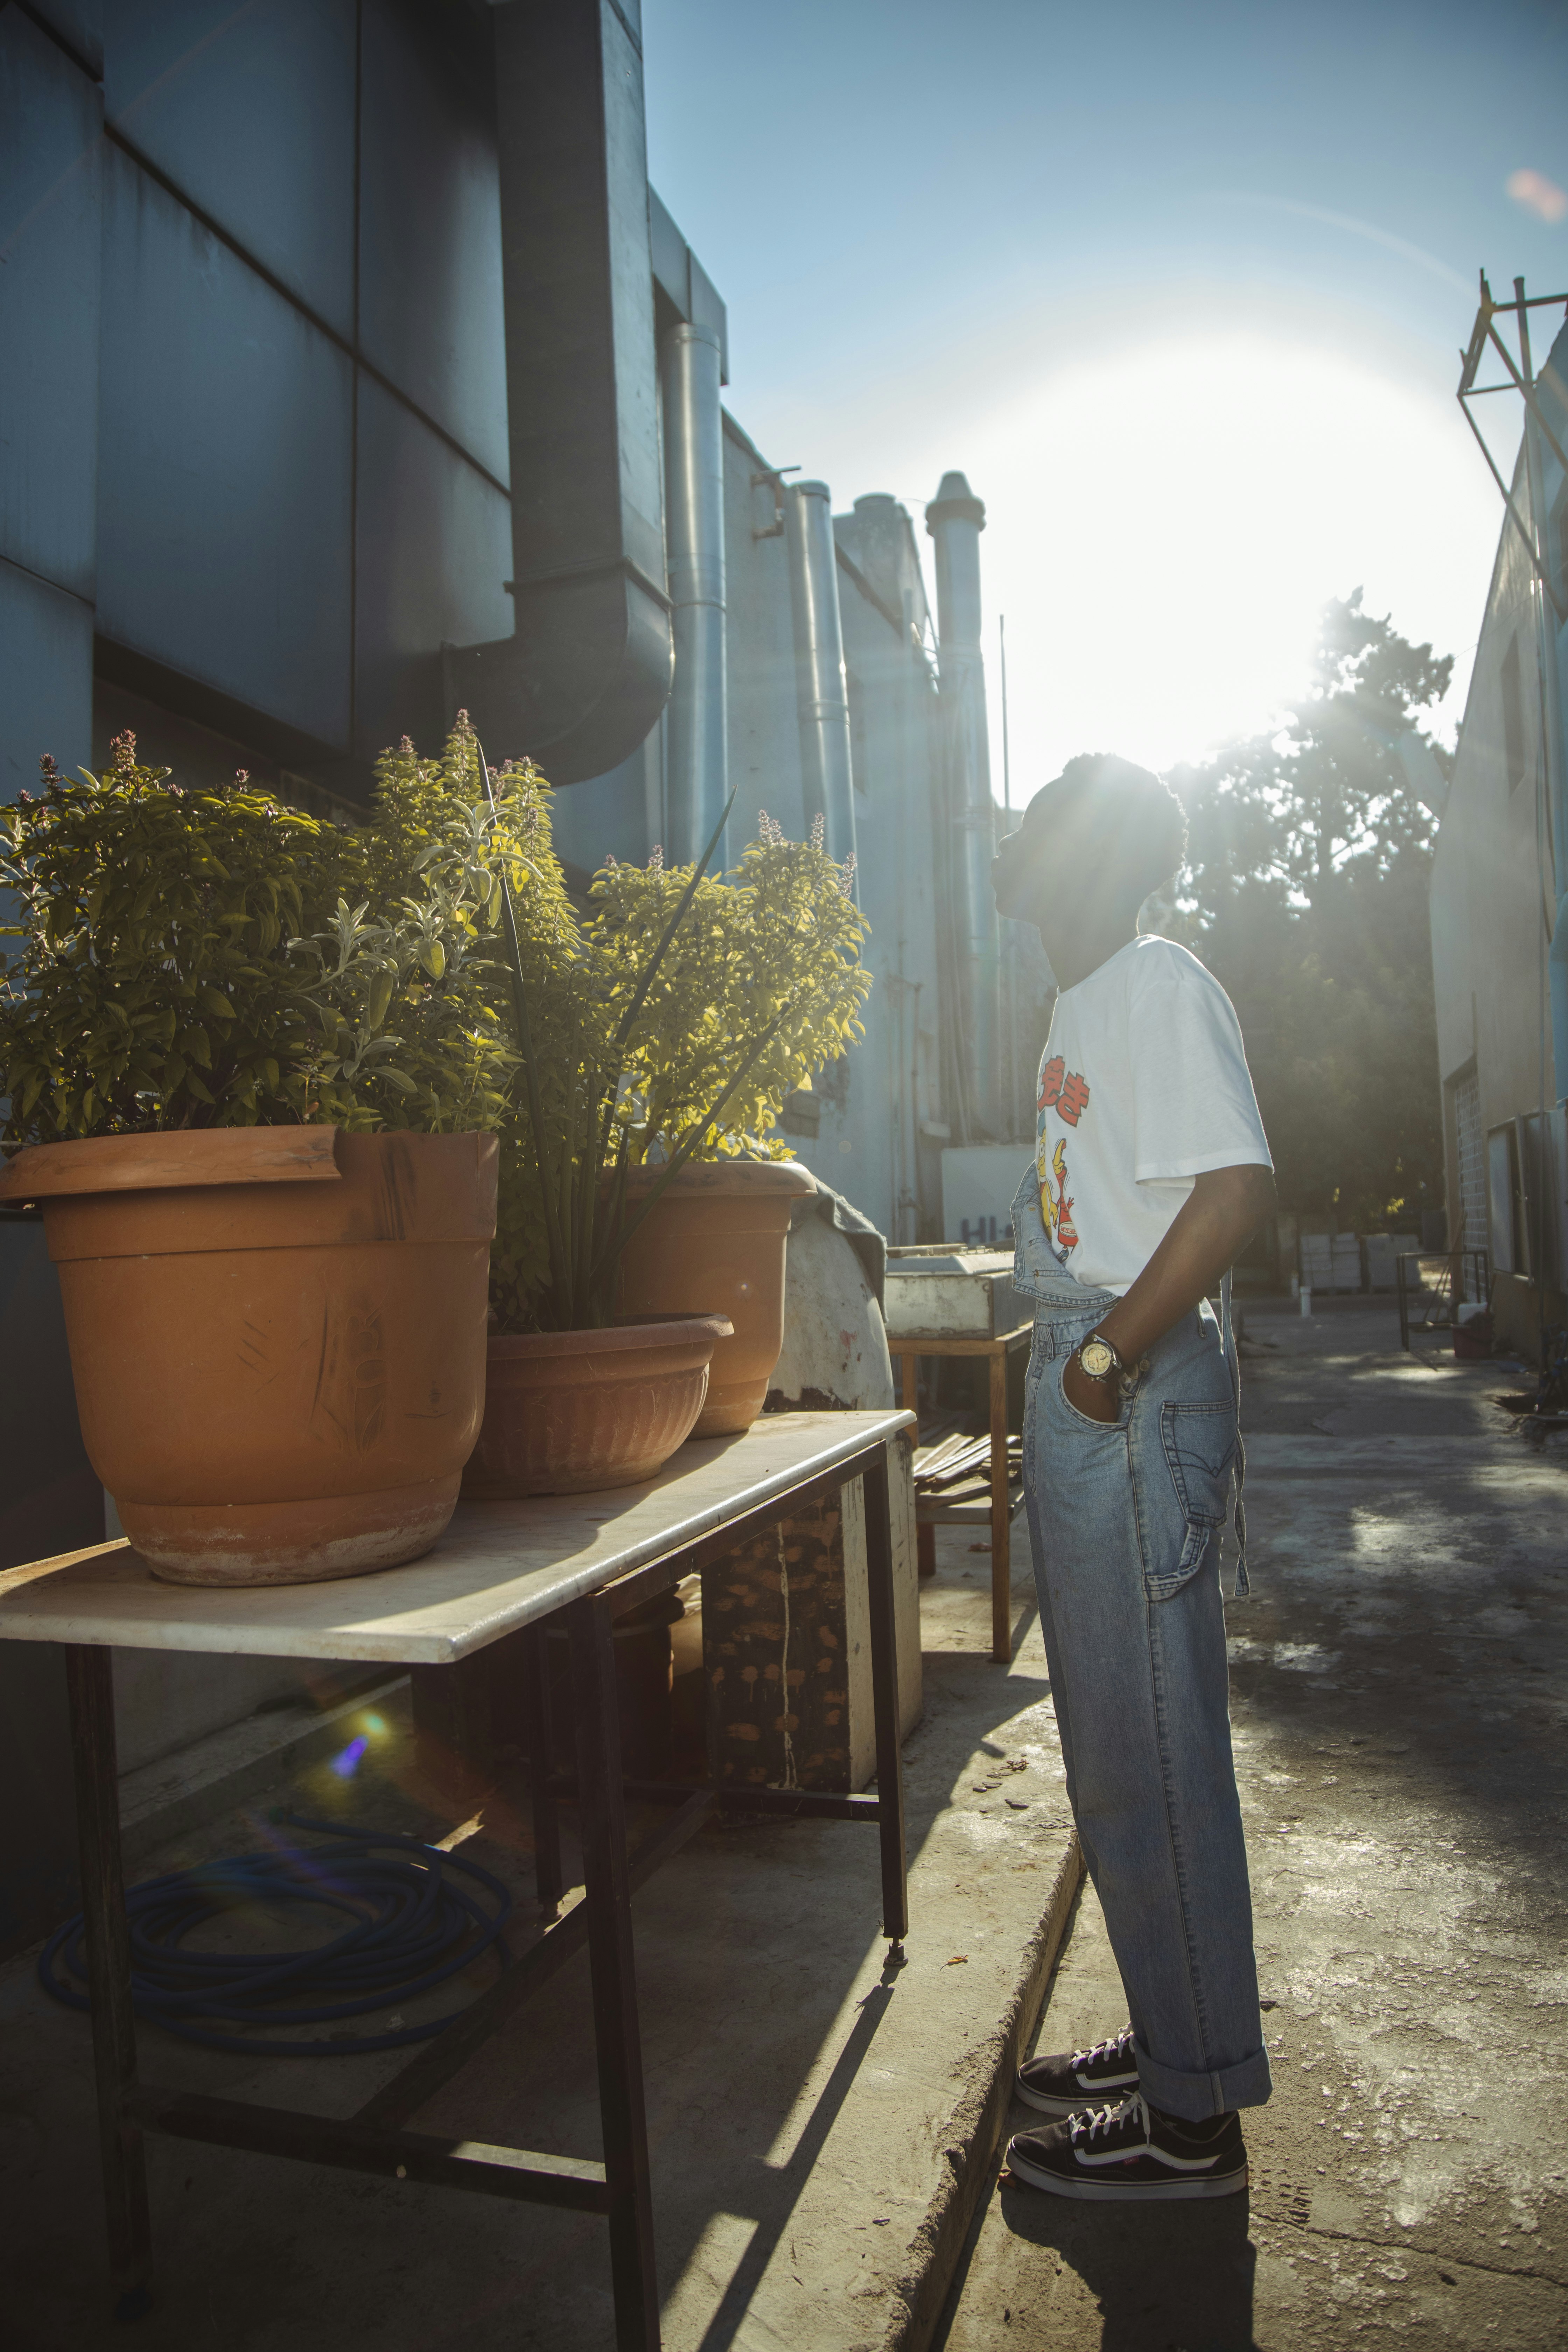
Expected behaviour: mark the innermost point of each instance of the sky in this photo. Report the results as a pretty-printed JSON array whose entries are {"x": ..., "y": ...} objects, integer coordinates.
[{"x": 1181, "y": 289}]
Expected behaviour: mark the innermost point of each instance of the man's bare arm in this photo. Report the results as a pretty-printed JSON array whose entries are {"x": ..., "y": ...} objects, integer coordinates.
[{"x": 1218, "y": 1218}]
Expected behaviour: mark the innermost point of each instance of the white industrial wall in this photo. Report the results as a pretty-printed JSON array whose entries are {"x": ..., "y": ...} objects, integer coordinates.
[{"x": 1491, "y": 903}]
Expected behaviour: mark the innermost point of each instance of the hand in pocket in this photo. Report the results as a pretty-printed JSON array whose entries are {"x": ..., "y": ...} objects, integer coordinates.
[{"x": 1096, "y": 1400}]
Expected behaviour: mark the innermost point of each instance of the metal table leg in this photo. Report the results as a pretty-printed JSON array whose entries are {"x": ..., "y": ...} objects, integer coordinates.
[
  {"x": 547, "y": 1880},
  {"x": 89, "y": 1681},
  {"x": 925, "y": 1535},
  {"x": 884, "y": 1700},
  {"x": 617, "y": 2038}
]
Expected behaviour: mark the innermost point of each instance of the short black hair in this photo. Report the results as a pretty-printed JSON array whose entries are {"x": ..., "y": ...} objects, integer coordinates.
[{"x": 1139, "y": 820}]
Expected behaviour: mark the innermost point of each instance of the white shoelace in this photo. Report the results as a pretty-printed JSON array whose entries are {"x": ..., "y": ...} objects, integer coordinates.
[
  {"x": 1090, "y": 2126},
  {"x": 1115, "y": 2045}
]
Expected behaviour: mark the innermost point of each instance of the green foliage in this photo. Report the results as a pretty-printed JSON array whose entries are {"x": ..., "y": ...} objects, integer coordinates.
[
  {"x": 192, "y": 960},
  {"x": 1306, "y": 894},
  {"x": 777, "y": 942},
  {"x": 687, "y": 1009}
]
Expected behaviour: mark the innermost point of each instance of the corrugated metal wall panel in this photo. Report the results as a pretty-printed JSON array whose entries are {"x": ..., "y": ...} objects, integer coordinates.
[
  {"x": 49, "y": 184},
  {"x": 46, "y": 679},
  {"x": 433, "y": 545},
  {"x": 251, "y": 112},
  {"x": 430, "y": 267},
  {"x": 223, "y": 468}
]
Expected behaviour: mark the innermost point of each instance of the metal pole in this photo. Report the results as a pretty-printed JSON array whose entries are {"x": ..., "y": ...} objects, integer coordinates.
[
  {"x": 618, "y": 2040},
  {"x": 547, "y": 1876},
  {"x": 1007, "y": 762},
  {"x": 822, "y": 688},
  {"x": 697, "y": 776},
  {"x": 1008, "y": 944},
  {"x": 875, "y": 1492},
  {"x": 955, "y": 519}
]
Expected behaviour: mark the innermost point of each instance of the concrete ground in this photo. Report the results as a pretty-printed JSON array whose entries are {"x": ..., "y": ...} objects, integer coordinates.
[
  {"x": 1399, "y": 1702},
  {"x": 820, "y": 2124}
]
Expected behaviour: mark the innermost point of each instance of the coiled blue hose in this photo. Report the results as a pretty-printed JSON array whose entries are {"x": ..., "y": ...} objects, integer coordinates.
[{"x": 413, "y": 1926}]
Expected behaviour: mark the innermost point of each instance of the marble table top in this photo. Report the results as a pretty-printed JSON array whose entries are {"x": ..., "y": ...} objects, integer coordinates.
[{"x": 498, "y": 1567}]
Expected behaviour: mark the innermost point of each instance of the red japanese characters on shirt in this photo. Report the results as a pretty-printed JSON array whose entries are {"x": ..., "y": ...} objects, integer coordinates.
[{"x": 1064, "y": 1090}]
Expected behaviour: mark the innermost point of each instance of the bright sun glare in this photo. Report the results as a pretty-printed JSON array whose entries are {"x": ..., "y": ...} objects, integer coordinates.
[{"x": 1167, "y": 521}]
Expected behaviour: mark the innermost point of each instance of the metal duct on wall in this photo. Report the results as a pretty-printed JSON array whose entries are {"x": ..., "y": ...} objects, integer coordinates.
[
  {"x": 585, "y": 675},
  {"x": 697, "y": 751},
  {"x": 827, "y": 773},
  {"x": 955, "y": 520}
]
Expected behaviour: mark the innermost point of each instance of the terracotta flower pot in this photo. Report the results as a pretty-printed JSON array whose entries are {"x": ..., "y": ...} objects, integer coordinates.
[
  {"x": 567, "y": 1413},
  {"x": 716, "y": 1239},
  {"x": 278, "y": 1338}
]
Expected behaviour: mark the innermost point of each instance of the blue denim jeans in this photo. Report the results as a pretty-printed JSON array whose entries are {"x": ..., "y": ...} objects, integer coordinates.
[{"x": 1125, "y": 1520}]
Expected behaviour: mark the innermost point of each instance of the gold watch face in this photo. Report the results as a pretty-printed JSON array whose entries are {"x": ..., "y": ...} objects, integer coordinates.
[{"x": 1097, "y": 1358}]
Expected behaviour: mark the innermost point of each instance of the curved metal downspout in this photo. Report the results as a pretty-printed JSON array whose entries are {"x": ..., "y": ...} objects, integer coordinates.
[
  {"x": 698, "y": 757},
  {"x": 587, "y": 673},
  {"x": 955, "y": 520},
  {"x": 826, "y": 771}
]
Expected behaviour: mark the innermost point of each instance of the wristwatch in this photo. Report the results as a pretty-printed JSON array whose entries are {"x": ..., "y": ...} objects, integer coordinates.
[{"x": 1100, "y": 1359}]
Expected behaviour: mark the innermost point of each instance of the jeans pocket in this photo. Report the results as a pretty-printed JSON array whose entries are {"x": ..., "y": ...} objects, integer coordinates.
[
  {"x": 1199, "y": 1442},
  {"x": 1083, "y": 1419}
]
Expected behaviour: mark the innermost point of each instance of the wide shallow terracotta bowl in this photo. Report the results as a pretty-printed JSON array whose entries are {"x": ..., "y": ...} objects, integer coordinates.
[
  {"x": 569, "y": 1411},
  {"x": 716, "y": 1238},
  {"x": 278, "y": 1338}
]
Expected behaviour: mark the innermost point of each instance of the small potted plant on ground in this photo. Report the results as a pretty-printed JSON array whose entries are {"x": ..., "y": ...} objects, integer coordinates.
[
  {"x": 674, "y": 1016},
  {"x": 254, "y": 1072}
]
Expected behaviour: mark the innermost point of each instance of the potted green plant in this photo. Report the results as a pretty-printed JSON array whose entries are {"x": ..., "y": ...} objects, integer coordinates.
[
  {"x": 254, "y": 1076},
  {"x": 779, "y": 946},
  {"x": 667, "y": 1020}
]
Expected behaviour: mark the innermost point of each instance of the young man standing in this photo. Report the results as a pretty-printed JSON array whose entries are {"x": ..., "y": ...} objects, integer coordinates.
[{"x": 1152, "y": 1172}]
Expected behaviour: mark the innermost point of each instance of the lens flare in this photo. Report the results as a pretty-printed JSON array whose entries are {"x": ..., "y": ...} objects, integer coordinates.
[
  {"x": 1537, "y": 195},
  {"x": 346, "y": 1765}
]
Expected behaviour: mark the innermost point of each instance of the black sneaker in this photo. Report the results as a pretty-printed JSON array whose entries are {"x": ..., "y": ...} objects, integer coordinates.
[
  {"x": 1132, "y": 2153},
  {"x": 1076, "y": 2079}
]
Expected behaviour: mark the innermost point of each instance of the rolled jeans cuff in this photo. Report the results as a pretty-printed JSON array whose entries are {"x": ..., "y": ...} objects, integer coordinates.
[{"x": 1195, "y": 2097}]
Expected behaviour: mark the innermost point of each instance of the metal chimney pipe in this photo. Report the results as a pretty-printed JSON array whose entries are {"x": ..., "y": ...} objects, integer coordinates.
[
  {"x": 823, "y": 707},
  {"x": 955, "y": 519},
  {"x": 696, "y": 786},
  {"x": 585, "y": 673}
]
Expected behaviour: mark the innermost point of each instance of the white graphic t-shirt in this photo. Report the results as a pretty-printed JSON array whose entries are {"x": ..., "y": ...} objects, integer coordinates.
[{"x": 1144, "y": 1085}]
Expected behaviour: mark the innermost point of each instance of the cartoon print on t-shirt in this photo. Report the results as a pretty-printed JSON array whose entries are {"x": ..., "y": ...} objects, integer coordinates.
[
  {"x": 1056, "y": 1209},
  {"x": 1067, "y": 1093},
  {"x": 1063, "y": 1089},
  {"x": 1064, "y": 1231}
]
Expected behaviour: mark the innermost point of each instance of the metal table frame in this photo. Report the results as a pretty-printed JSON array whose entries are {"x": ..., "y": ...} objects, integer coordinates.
[
  {"x": 909, "y": 1347},
  {"x": 374, "y": 2140}
]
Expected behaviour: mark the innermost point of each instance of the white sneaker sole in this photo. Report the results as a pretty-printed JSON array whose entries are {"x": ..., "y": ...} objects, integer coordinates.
[
  {"x": 1102, "y": 2095},
  {"x": 1089, "y": 2190}
]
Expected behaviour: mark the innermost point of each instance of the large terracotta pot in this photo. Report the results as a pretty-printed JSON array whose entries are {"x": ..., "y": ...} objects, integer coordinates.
[
  {"x": 277, "y": 1337},
  {"x": 568, "y": 1413},
  {"x": 716, "y": 1239}
]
